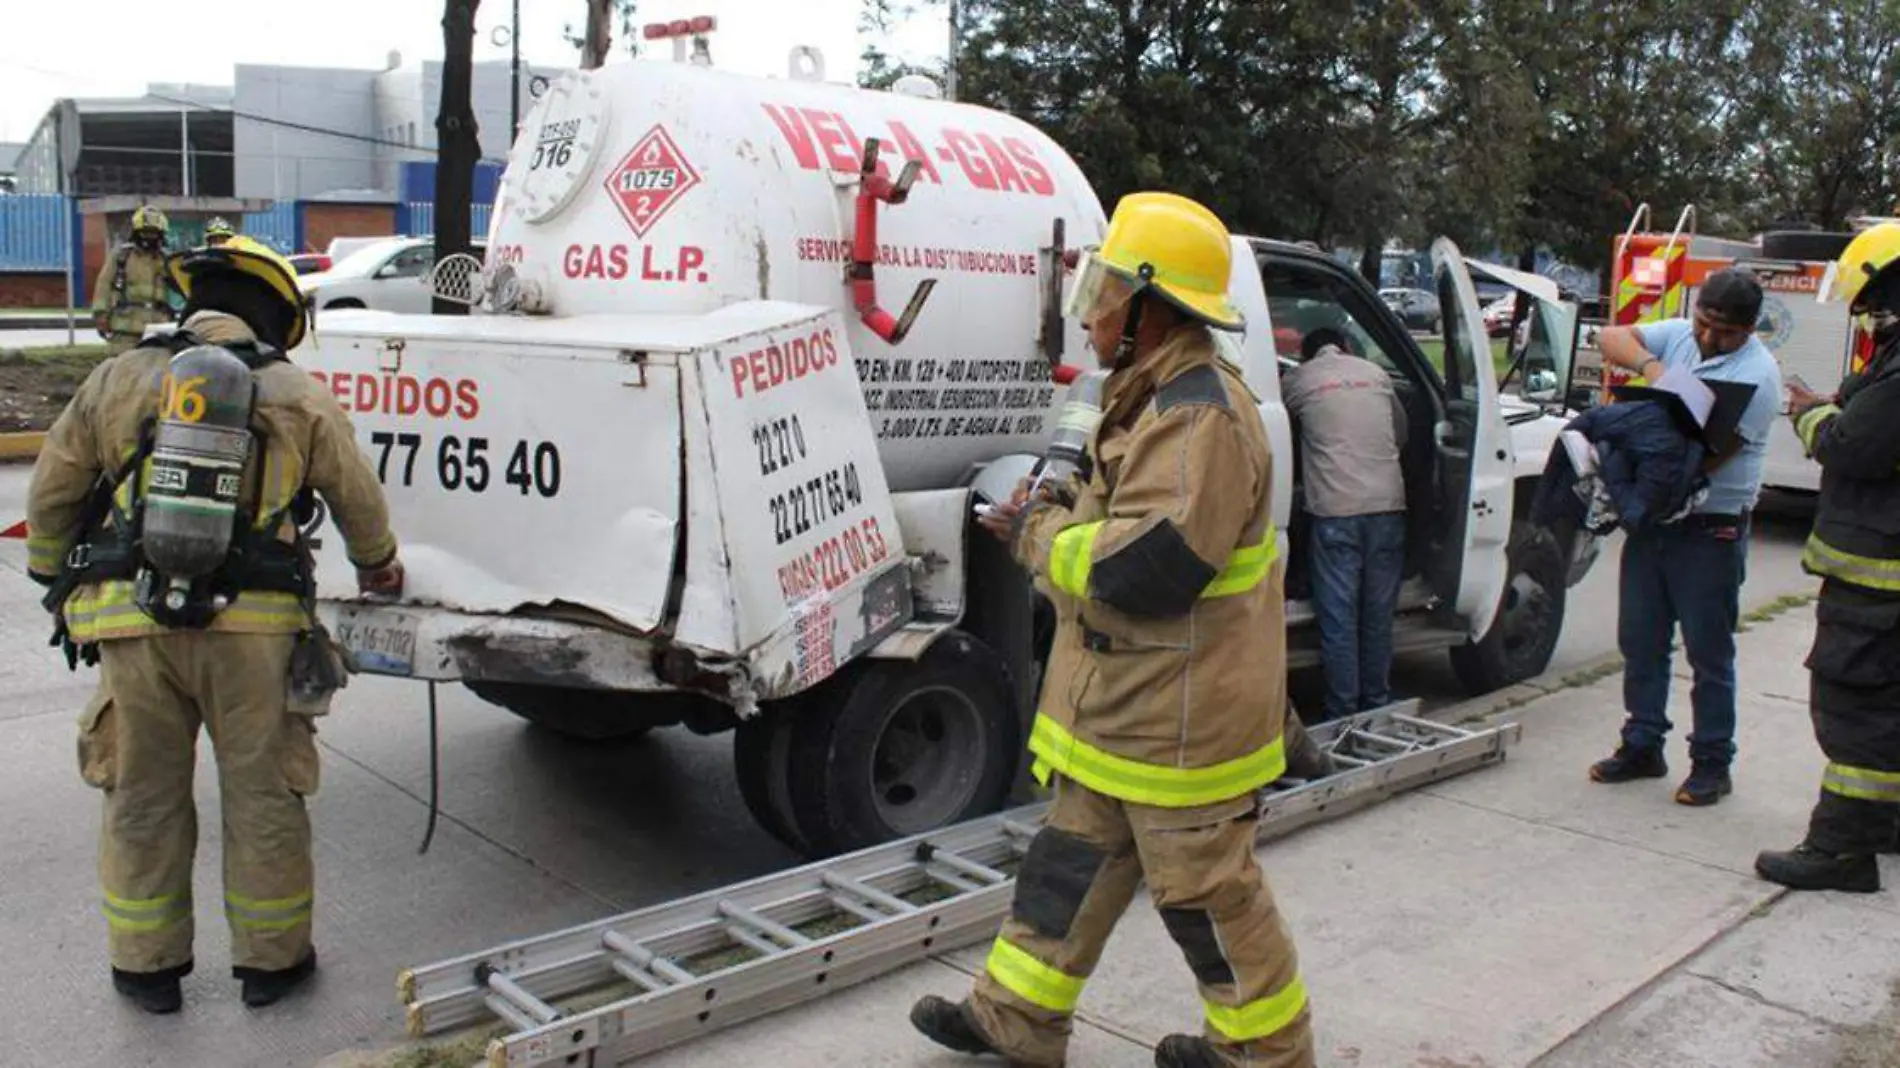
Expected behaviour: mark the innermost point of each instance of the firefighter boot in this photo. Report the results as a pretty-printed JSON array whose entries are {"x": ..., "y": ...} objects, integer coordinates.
[
  {"x": 1189, "y": 1051},
  {"x": 1807, "y": 868},
  {"x": 949, "y": 1024},
  {"x": 1630, "y": 763},
  {"x": 154, "y": 992},
  {"x": 263, "y": 987}
]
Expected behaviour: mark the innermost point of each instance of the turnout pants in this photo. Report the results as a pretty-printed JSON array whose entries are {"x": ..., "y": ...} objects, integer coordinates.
[
  {"x": 138, "y": 743},
  {"x": 1080, "y": 875},
  {"x": 1854, "y": 697}
]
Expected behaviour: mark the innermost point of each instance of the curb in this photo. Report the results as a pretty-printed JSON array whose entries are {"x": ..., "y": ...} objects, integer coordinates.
[{"x": 22, "y": 447}]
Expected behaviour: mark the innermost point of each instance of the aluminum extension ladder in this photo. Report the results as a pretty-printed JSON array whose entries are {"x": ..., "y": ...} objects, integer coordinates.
[{"x": 645, "y": 980}]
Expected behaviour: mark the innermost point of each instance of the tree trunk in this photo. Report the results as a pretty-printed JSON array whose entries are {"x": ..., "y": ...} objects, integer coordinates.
[
  {"x": 1372, "y": 260},
  {"x": 457, "y": 144},
  {"x": 599, "y": 34}
]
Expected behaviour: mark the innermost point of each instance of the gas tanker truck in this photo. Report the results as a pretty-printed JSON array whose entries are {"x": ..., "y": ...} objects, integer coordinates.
[{"x": 745, "y": 354}]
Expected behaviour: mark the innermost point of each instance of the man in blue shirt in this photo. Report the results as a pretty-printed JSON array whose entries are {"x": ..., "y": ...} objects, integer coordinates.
[{"x": 1691, "y": 572}]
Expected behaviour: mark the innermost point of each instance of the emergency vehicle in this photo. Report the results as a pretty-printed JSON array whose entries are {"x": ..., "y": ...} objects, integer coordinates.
[
  {"x": 1655, "y": 276},
  {"x": 686, "y": 465}
]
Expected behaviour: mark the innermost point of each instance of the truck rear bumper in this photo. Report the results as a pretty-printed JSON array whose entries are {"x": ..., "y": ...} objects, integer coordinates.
[{"x": 445, "y": 646}]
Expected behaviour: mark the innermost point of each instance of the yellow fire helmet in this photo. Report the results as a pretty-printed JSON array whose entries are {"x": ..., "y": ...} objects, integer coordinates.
[
  {"x": 150, "y": 219},
  {"x": 1873, "y": 251},
  {"x": 248, "y": 256},
  {"x": 1181, "y": 246},
  {"x": 218, "y": 230}
]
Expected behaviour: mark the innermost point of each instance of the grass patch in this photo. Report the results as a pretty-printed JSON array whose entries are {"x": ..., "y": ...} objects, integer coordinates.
[
  {"x": 1434, "y": 349},
  {"x": 1782, "y": 605},
  {"x": 1612, "y": 666},
  {"x": 36, "y": 383}
]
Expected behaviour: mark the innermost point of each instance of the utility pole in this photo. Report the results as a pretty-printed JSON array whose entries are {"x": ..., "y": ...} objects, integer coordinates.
[
  {"x": 598, "y": 35},
  {"x": 514, "y": 75},
  {"x": 456, "y": 136},
  {"x": 950, "y": 63}
]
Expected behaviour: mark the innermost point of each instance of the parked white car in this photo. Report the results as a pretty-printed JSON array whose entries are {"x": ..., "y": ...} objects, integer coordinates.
[{"x": 388, "y": 275}]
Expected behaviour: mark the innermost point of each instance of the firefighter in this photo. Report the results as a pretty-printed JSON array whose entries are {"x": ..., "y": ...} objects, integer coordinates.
[
  {"x": 217, "y": 231},
  {"x": 235, "y": 652},
  {"x": 1163, "y": 706},
  {"x": 133, "y": 289},
  {"x": 1854, "y": 665}
]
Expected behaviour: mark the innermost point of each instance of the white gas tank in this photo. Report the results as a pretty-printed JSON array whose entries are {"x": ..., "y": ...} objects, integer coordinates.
[{"x": 649, "y": 187}]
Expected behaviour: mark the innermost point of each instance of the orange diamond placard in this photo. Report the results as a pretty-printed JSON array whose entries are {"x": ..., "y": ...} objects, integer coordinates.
[{"x": 649, "y": 180}]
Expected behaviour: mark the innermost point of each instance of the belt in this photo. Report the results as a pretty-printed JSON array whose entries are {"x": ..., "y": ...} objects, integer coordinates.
[{"x": 1715, "y": 520}]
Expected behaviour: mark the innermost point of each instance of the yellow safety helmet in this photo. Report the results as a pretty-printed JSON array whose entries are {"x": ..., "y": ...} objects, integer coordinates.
[
  {"x": 148, "y": 218},
  {"x": 246, "y": 256},
  {"x": 1170, "y": 244},
  {"x": 219, "y": 229},
  {"x": 1873, "y": 251}
]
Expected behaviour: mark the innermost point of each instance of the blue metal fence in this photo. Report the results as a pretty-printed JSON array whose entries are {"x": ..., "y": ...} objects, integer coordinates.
[
  {"x": 32, "y": 231},
  {"x": 417, "y": 218},
  {"x": 277, "y": 227}
]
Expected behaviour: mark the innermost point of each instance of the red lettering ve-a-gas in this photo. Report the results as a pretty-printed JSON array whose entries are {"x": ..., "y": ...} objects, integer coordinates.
[{"x": 779, "y": 363}]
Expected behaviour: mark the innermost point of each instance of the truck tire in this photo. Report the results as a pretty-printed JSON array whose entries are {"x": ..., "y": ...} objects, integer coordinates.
[
  {"x": 1529, "y": 621},
  {"x": 587, "y": 715},
  {"x": 892, "y": 748},
  {"x": 343, "y": 303},
  {"x": 761, "y": 758},
  {"x": 1803, "y": 245}
]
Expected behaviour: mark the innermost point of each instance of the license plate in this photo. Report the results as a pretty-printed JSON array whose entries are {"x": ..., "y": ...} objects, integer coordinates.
[{"x": 382, "y": 644}]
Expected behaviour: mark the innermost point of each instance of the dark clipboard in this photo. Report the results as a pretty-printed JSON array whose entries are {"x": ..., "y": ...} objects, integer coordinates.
[{"x": 1725, "y": 416}]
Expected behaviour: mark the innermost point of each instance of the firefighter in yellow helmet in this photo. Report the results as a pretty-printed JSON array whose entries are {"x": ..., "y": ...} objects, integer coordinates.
[
  {"x": 164, "y": 516},
  {"x": 133, "y": 290},
  {"x": 1163, "y": 704},
  {"x": 1854, "y": 665},
  {"x": 218, "y": 231}
]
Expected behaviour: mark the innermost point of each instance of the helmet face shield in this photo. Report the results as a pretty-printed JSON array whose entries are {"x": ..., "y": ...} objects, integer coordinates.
[{"x": 1086, "y": 288}]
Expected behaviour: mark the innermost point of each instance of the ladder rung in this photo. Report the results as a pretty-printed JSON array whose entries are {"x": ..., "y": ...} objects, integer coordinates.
[
  {"x": 637, "y": 977},
  {"x": 510, "y": 991},
  {"x": 866, "y": 892},
  {"x": 1351, "y": 761},
  {"x": 646, "y": 958},
  {"x": 1020, "y": 830},
  {"x": 857, "y": 908},
  {"x": 760, "y": 923},
  {"x": 954, "y": 880},
  {"x": 763, "y": 946},
  {"x": 503, "y": 1008},
  {"x": 983, "y": 874}
]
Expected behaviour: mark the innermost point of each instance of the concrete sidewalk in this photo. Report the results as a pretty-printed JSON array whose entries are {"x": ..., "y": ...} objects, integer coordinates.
[{"x": 1519, "y": 916}]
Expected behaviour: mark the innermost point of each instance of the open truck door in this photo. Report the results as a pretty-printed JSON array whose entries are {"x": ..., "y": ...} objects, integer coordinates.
[
  {"x": 1473, "y": 445},
  {"x": 1543, "y": 345}
]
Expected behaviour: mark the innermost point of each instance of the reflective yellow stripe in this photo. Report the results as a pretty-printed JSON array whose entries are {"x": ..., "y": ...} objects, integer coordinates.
[
  {"x": 108, "y": 610},
  {"x": 1032, "y": 980},
  {"x": 1821, "y": 558},
  {"x": 144, "y": 914},
  {"x": 276, "y": 914},
  {"x": 1864, "y": 784},
  {"x": 43, "y": 554},
  {"x": 1153, "y": 784},
  {"x": 1258, "y": 1019},
  {"x": 1810, "y": 423},
  {"x": 1072, "y": 556}
]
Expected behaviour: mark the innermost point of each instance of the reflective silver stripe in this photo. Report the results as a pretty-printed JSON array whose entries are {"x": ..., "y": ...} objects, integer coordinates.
[{"x": 268, "y": 914}]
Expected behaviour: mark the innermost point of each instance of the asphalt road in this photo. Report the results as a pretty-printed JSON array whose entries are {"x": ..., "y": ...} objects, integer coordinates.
[{"x": 537, "y": 833}]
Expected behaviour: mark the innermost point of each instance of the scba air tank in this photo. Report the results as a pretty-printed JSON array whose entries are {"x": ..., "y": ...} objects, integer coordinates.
[
  {"x": 203, "y": 439},
  {"x": 655, "y": 188}
]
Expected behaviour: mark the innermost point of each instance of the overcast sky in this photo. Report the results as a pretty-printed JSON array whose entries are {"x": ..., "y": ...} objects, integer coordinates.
[{"x": 115, "y": 47}]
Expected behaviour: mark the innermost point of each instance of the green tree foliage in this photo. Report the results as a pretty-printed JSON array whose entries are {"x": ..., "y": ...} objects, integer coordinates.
[{"x": 1519, "y": 124}]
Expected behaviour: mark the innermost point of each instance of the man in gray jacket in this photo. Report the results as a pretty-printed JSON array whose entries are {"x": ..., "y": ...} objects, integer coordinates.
[{"x": 1352, "y": 427}]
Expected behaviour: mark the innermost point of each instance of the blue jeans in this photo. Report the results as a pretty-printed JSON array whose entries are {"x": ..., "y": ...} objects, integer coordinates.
[
  {"x": 1687, "y": 573},
  {"x": 1358, "y": 562}
]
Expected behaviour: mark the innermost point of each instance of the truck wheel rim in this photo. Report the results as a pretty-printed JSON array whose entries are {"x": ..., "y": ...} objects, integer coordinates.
[
  {"x": 928, "y": 760},
  {"x": 1527, "y": 617}
]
